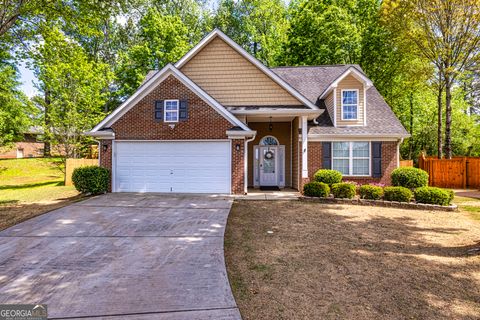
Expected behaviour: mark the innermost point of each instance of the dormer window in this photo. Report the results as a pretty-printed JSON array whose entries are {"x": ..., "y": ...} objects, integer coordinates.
[{"x": 350, "y": 104}]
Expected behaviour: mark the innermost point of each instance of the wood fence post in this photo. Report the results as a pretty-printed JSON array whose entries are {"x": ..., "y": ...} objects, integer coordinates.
[{"x": 464, "y": 172}]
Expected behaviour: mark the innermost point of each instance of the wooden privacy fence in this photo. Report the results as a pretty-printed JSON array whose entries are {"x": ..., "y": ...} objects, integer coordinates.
[
  {"x": 406, "y": 163},
  {"x": 458, "y": 172},
  {"x": 75, "y": 163}
]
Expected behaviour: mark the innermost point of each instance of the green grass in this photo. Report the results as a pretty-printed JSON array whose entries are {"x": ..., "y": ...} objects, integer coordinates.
[
  {"x": 30, "y": 171},
  {"x": 32, "y": 180},
  {"x": 470, "y": 205}
]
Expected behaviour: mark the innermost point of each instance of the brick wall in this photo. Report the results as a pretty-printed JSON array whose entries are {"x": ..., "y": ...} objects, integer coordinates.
[
  {"x": 203, "y": 122},
  {"x": 106, "y": 158},
  {"x": 389, "y": 162},
  {"x": 30, "y": 150},
  {"x": 238, "y": 169}
]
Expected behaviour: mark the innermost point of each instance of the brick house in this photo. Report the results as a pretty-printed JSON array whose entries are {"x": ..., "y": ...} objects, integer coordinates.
[
  {"x": 31, "y": 146},
  {"x": 219, "y": 121}
]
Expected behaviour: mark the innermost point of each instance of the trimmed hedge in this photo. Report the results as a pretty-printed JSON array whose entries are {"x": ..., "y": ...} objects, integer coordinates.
[
  {"x": 409, "y": 177},
  {"x": 400, "y": 194},
  {"x": 328, "y": 176},
  {"x": 433, "y": 195},
  {"x": 343, "y": 190},
  {"x": 316, "y": 189},
  {"x": 91, "y": 179},
  {"x": 370, "y": 192}
]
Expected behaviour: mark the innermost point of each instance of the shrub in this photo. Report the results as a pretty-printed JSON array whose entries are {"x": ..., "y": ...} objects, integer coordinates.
[
  {"x": 410, "y": 178},
  {"x": 433, "y": 195},
  {"x": 316, "y": 189},
  {"x": 400, "y": 194},
  {"x": 328, "y": 176},
  {"x": 370, "y": 192},
  {"x": 91, "y": 179},
  {"x": 343, "y": 190}
]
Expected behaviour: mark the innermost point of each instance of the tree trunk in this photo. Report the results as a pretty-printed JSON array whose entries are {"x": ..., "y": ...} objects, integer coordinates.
[
  {"x": 410, "y": 143},
  {"x": 448, "y": 117},
  {"x": 46, "y": 135},
  {"x": 440, "y": 120}
]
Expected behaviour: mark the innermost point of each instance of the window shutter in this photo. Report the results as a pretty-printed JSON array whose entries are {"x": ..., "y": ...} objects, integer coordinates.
[
  {"x": 183, "y": 110},
  {"x": 326, "y": 155},
  {"x": 158, "y": 110},
  {"x": 376, "y": 159}
]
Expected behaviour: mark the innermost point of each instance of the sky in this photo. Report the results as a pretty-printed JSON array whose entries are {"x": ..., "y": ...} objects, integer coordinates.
[{"x": 27, "y": 77}]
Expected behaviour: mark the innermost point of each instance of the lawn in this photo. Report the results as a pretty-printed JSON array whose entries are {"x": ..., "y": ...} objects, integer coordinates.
[
  {"x": 30, "y": 187},
  {"x": 301, "y": 260}
]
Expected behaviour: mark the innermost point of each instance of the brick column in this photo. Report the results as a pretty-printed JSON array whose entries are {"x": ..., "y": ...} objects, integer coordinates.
[
  {"x": 106, "y": 158},
  {"x": 238, "y": 166}
]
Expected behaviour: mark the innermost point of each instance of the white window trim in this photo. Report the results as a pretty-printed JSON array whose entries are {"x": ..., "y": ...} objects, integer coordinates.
[
  {"x": 350, "y": 159},
  {"x": 269, "y": 136},
  {"x": 165, "y": 110},
  {"x": 341, "y": 103}
]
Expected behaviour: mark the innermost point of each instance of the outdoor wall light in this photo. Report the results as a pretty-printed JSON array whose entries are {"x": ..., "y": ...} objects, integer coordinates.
[
  {"x": 105, "y": 147},
  {"x": 237, "y": 147}
]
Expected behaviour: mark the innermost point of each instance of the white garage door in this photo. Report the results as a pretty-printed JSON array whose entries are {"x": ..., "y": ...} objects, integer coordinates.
[{"x": 183, "y": 167}]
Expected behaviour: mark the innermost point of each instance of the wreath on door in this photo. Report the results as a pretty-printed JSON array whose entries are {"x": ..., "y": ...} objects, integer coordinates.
[{"x": 269, "y": 155}]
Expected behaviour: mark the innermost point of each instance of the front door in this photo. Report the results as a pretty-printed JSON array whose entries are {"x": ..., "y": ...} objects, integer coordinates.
[{"x": 268, "y": 166}]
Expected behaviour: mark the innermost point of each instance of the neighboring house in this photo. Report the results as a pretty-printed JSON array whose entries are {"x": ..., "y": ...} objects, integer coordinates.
[
  {"x": 219, "y": 121},
  {"x": 31, "y": 146}
]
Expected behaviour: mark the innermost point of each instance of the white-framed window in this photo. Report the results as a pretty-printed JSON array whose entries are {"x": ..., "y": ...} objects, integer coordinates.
[
  {"x": 350, "y": 104},
  {"x": 351, "y": 158},
  {"x": 170, "y": 110}
]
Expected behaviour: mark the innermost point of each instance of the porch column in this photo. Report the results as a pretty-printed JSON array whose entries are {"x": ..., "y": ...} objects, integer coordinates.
[{"x": 304, "y": 148}]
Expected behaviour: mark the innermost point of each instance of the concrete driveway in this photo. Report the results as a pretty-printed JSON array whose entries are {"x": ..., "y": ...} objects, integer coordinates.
[{"x": 122, "y": 256}]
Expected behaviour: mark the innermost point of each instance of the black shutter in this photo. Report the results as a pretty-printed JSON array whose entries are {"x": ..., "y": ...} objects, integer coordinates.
[
  {"x": 183, "y": 110},
  {"x": 326, "y": 155},
  {"x": 376, "y": 159},
  {"x": 159, "y": 110}
]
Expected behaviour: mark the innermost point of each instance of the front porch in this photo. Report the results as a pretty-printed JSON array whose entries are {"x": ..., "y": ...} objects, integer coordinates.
[{"x": 275, "y": 156}]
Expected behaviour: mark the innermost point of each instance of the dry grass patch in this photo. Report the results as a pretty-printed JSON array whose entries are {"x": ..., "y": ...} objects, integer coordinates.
[{"x": 351, "y": 262}]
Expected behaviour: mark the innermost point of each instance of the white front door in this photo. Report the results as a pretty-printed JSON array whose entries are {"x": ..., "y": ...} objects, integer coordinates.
[{"x": 268, "y": 166}]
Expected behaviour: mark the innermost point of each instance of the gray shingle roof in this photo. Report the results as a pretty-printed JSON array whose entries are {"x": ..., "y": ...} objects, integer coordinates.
[{"x": 313, "y": 81}]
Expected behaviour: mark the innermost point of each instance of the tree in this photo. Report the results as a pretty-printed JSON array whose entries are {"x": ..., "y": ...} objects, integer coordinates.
[
  {"x": 73, "y": 88},
  {"x": 15, "y": 109},
  {"x": 447, "y": 33},
  {"x": 322, "y": 32},
  {"x": 259, "y": 26},
  {"x": 162, "y": 39}
]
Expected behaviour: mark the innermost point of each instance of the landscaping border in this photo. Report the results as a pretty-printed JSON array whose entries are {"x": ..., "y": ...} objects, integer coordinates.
[{"x": 383, "y": 203}]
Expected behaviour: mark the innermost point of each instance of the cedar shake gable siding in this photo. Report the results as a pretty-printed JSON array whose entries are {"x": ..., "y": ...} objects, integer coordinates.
[{"x": 233, "y": 80}]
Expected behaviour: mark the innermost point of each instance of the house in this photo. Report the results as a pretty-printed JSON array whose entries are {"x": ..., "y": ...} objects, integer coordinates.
[
  {"x": 31, "y": 146},
  {"x": 219, "y": 121}
]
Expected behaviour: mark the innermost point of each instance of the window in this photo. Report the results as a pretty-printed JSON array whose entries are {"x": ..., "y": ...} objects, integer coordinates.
[
  {"x": 351, "y": 158},
  {"x": 269, "y": 141},
  {"x": 171, "y": 110},
  {"x": 349, "y": 104}
]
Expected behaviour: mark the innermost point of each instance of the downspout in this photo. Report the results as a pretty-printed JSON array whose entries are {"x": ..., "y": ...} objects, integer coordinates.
[
  {"x": 98, "y": 141},
  {"x": 398, "y": 152},
  {"x": 245, "y": 163}
]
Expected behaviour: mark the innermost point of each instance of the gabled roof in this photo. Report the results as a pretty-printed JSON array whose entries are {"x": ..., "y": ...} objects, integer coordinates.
[
  {"x": 314, "y": 81},
  {"x": 151, "y": 84},
  {"x": 272, "y": 75},
  {"x": 382, "y": 122}
]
